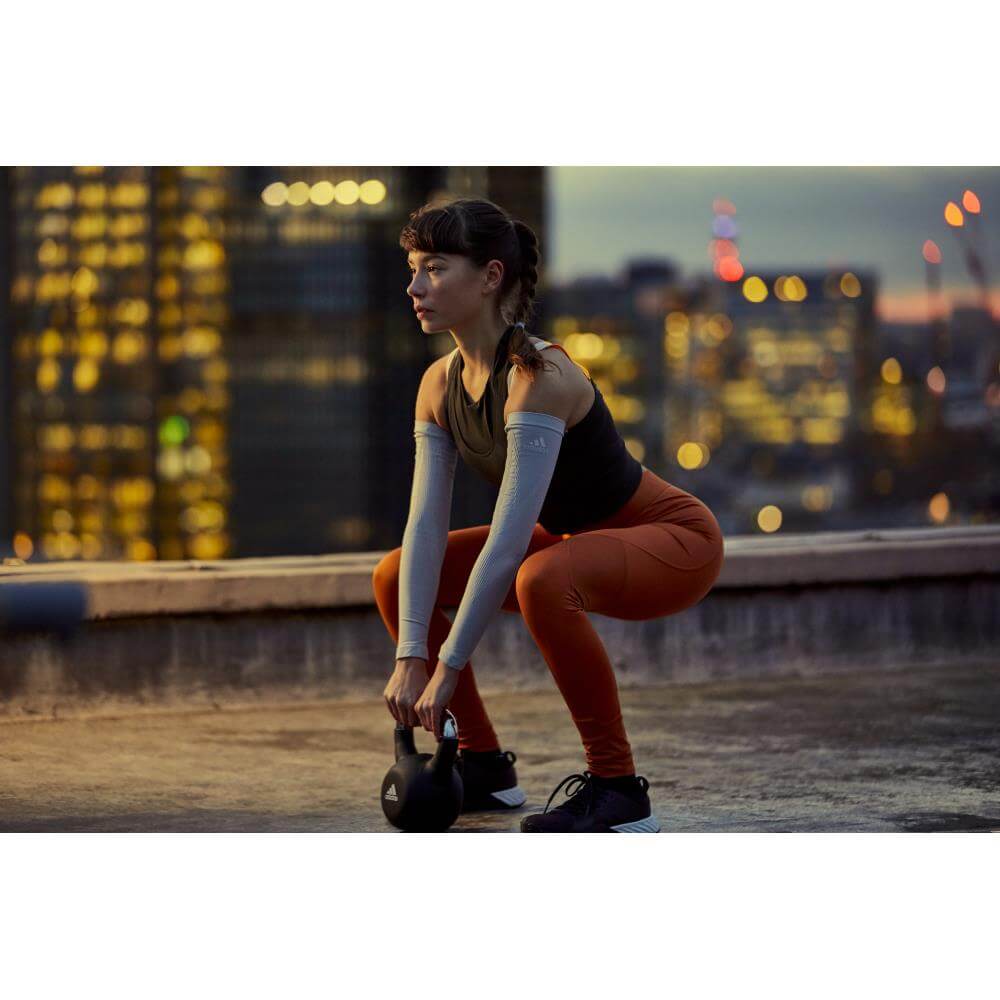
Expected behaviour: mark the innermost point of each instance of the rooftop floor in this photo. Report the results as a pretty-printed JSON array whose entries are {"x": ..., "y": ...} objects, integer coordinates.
[{"x": 914, "y": 750}]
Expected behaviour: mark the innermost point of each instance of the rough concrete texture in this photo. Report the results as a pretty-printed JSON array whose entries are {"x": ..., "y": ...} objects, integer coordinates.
[{"x": 915, "y": 750}]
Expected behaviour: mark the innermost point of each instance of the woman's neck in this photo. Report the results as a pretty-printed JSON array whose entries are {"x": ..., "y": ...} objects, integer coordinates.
[{"x": 478, "y": 347}]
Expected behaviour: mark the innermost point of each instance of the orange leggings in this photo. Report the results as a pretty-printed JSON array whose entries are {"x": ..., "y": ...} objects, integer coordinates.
[{"x": 658, "y": 555}]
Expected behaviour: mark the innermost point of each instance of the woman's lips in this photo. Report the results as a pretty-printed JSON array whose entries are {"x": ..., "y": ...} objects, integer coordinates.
[{"x": 422, "y": 312}]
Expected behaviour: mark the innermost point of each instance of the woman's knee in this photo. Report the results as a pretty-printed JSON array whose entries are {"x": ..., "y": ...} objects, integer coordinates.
[
  {"x": 539, "y": 575},
  {"x": 386, "y": 572}
]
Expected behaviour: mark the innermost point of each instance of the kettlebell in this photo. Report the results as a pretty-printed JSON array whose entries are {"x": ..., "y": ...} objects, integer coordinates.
[{"x": 422, "y": 793}]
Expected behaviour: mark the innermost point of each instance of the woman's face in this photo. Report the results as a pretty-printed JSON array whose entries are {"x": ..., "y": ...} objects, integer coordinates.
[{"x": 450, "y": 287}]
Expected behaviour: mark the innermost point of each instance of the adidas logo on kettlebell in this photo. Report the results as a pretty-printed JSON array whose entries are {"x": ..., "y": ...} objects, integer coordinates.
[{"x": 391, "y": 794}]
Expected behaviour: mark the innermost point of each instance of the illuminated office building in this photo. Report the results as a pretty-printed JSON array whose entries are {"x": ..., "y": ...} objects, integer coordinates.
[
  {"x": 117, "y": 309},
  {"x": 767, "y": 375},
  {"x": 209, "y": 362},
  {"x": 327, "y": 354}
]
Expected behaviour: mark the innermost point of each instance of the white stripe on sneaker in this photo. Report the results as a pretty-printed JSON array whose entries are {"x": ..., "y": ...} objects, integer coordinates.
[
  {"x": 510, "y": 796},
  {"x": 648, "y": 825}
]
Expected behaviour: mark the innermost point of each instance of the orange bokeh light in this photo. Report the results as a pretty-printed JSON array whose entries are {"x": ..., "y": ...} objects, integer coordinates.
[
  {"x": 932, "y": 252},
  {"x": 953, "y": 214},
  {"x": 970, "y": 202},
  {"x": 729, "y": 269},
  {"x": 723, "y": 206}
]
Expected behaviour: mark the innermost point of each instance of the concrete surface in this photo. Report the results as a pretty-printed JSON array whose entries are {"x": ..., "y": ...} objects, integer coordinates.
[{"x": 914, "y": 750}]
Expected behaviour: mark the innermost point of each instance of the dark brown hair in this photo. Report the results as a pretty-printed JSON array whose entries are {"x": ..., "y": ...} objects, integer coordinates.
[{"x": 482, "y": 231}]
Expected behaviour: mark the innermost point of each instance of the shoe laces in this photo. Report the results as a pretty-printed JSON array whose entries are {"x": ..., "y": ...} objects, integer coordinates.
[{"x": 583, "y": 794}]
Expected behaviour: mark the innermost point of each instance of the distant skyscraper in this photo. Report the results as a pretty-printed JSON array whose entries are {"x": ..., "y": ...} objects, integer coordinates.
[
  {"x": 210, "y": 362},
  {"x": 328, "y": 356}
]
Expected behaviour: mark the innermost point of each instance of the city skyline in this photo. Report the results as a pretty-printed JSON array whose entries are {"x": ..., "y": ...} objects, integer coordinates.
[{"x": 875, "y": 218}]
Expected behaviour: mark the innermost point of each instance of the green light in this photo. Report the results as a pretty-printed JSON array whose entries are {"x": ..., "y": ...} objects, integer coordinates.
[{"x": 174, "y": 430}]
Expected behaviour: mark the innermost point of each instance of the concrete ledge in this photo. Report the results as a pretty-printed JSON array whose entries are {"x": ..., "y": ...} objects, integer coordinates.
[
  {"x": 254, "y": 631},
  {"x": 236, "y": 586}
]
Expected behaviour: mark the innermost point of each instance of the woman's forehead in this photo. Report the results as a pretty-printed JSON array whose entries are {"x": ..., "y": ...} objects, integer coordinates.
[{"x": 424, "y": 255}]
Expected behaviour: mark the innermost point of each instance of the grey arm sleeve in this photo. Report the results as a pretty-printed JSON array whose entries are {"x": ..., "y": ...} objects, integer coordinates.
[
  {"x": 426, "y": 535},
  {"x": 533, "y": 443}
]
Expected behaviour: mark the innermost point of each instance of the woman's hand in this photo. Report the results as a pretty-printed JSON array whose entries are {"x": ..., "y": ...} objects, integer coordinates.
[
  {"x": 404, "y": 687},
  {"x": 432, "y": 703}
]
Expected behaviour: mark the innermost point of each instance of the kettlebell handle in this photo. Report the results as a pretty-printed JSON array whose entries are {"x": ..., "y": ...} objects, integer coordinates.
[{"x": 401, "y": 728}]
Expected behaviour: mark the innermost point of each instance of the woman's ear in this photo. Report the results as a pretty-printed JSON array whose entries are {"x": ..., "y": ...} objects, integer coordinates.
[{"x": 494, "y": 275}]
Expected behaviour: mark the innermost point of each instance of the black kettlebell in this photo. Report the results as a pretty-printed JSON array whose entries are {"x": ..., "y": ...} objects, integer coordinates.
[{"x": 422, "y": 793}]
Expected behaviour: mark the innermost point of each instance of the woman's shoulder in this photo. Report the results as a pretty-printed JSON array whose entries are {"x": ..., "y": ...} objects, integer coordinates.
[
  {"x": 559, "y": 387},
  {"x": 431, "y": 403}
]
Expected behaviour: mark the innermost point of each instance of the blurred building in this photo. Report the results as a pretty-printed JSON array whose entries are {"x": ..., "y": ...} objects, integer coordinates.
[
  {"x": 751, "y": 394},
  {"x": 211, "y": 362},
  {"x": 935, "y": 448},
  {"x": 787, "y": 355}
]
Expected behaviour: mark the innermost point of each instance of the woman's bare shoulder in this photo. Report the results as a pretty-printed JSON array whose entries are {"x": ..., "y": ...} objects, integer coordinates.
[
  {"x": 431, "y": 394},
  {"x": 560, "y": 388}
]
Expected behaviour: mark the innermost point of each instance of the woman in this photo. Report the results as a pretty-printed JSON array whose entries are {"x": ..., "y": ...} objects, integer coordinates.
[{"x": 579, "y": 525}]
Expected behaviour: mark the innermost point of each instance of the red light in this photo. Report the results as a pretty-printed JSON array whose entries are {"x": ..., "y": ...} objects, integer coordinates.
[{"x": 729, "y": 269}]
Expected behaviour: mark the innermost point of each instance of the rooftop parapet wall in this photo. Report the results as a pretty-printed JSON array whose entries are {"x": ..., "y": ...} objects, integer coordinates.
[
  {"x": 139, "y": 590},
  {"x": 248, "y": 631}
]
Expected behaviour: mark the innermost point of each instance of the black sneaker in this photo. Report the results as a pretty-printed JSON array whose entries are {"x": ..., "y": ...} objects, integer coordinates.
[
  {"x": 489, "y": 781},
  {"x": 593, "y": 807}
]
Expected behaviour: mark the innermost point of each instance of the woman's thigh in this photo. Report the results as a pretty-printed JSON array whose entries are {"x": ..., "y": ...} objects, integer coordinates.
[
  {"x": 464, "y": 546},
  {"x": 659, "y": 555},
  {"x": 645, "y": 571}
]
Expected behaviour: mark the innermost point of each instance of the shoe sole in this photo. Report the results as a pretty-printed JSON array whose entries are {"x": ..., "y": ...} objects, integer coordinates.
[
  {"x": 648, "y": 825},
  {"x": 510, "y": 797}
]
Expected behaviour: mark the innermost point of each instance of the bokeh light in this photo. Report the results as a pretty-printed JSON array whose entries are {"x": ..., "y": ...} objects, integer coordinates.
[
  {"x": 769, "y": 518},
  {"x": 755, "y": 289},
  {"x": 850, "y": 285},
  {"x": 372, "y": 192},
  {"x": 729, "y": 269},
  {"x": 939, "y": 508},
  {"x": 298, "y": 193},
  {"x": 347, "y": 192},
  {"x": 275, "y": 194},
  {"x": 321, "y": 193},
  {"x": 891, "y": 371}
]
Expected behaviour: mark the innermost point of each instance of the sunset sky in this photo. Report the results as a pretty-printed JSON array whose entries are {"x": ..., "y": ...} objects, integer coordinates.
[{"x": 789, "y": 218}]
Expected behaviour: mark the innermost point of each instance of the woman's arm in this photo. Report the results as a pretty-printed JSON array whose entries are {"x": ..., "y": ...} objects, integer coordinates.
[
  {"x": 533, "y": 443},
  {"x": 426, "y": 535}
]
